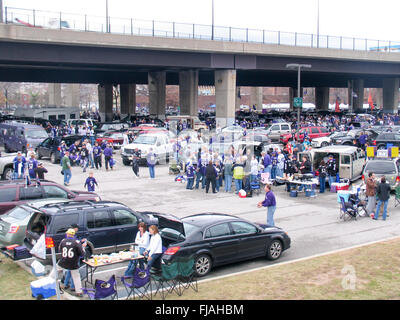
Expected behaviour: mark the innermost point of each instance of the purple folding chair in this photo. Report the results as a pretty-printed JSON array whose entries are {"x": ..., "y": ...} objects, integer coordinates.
[
  {"x": 102, "y": 289},
  {"x": 138, "y": 284}
]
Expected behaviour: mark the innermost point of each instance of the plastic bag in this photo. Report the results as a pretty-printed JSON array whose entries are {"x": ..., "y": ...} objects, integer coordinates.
[{"x": 39, "y": 249}]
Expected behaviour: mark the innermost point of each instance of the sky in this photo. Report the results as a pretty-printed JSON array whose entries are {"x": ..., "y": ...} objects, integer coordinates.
[{"x": 369, "y": 19}]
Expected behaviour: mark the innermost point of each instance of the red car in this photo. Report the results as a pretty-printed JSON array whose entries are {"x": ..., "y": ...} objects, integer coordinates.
[
  {"x": 312, "y": 132},
  {"x": 114, "y": 138},
  {"x": 15, "y": 192}
]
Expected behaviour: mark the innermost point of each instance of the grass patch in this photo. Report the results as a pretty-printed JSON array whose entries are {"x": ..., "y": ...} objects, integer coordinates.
[{"x": 366, "y": 273}]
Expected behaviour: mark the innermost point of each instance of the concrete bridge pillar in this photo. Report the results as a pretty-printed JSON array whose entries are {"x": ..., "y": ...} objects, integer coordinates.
[
  {"x": 256, "y": 98},
  {"x": 188, "y": 92},
  {"x": 390, "y": 95},
  {"x": 157, "y": 82},
  {"x": 128, "y": 99},
  {"x": 105, "y": 92},
  {"x": 356, "y": 100},
  {"x": 72, "y": 97},
  {"x": 322, "y": 98},
  {"x": 225, "y": 96},
  {"x": 54, "y": 91},
  {"x": 237, "y": 99}
]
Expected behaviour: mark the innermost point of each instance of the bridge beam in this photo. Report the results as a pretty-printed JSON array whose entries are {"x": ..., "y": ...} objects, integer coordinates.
[
  {"x": 225, "y": 97},
  {"x": 390, "y": 95},
  {"x": 322, "y": 98},
  {"x": 188, "y": 92},
  {"x": 128, "y": 99},
  {"x": 105, "y": 92},
  {"x": 156, "y": 83}
]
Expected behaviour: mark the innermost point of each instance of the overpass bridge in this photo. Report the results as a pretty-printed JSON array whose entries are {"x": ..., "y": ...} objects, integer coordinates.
[{"x": 29, "y": 54}]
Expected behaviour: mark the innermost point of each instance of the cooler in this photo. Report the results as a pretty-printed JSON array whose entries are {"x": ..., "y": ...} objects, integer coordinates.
[
  {"x": 293, "y": 193},
  {"x": 43, "y": 288}
]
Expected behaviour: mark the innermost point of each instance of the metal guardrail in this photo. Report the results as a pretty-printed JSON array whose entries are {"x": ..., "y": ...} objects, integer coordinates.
[{"x": 60, "y": 20}]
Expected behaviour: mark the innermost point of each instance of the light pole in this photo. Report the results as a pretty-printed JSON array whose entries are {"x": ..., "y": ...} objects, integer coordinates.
[
  {"x": 107, "y": 25},
  {"x": 1, "y": 11},
  {"x": 318, "y": 26},
  {"x": 212, "y": 20},
  {"x": 298, "y": 67}
]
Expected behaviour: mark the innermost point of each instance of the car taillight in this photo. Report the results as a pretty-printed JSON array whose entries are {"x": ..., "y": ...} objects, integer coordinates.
[
  {"x": 362, "y": 177},
  {"x": 13, "y": 228},
  {"x": 374, "y": 142},
  {"x": 59, "y": 149},
  {"x": 171, "y": 251},
  {"x": 397, "y": 179},
  {"x": 49, "y": 242}
]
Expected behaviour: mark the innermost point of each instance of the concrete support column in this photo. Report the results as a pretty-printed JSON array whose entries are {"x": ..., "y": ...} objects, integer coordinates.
[
  {"x": 238, "y": 101},
  {"x": 256, "y": 98},
  {"x": 293, "y": 94},
  {"x": 54, "y": 91},
  {"x": 157, "y": 82},
  {"x": 322, "y": 98},
  {"x": 128, "y": 99},
  {"x": 356, "y": 100},
  {"x": 225, "y": 96},
  {"x": 72, "y": 97},
  {"x": 105, "y": 92},
  {"x": 379, "y": 97},
  {"x": 188, "y": 92},
  {"x": 390, "y": 95}
]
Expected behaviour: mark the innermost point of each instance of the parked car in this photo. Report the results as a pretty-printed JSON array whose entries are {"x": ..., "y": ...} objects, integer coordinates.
[
  {"x": 389, "y": 167},
  {"x": 108, "y": 226},
  {"x": 50, "y": 148},
  {"x": 216, "y": 239},
  {"x": 16, "y": 192},
  {"x": 13, "y": 223},
  {"x": 114, "y": 138},
  {"x": 275, "y": 130},
  {"x": 385, "y": 138},
  {"x": 160, "y": 143},
  {"x": 327, "y": 140},
  {"x": 17, "y": 136},
  {"x": 7, "y": 166},
  {"x": 111, "y": 126},
  {"x": 354, "y": 135},
  {"x": 312, "y": 133}
]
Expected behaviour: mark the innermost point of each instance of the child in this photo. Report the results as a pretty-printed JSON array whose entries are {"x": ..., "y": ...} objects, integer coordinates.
[{"x": 90, "y": 182}]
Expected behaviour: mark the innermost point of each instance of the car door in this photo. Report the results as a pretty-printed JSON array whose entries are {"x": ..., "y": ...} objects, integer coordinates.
[
  {"x": 275, "y": 133},
  {"x": 252, "y": 242},
  {"x": 8, "y": 197},
  {"x": 101, "y": 230},
  {"x": 222, "y": 242},
  {"x": 44, "y": 147},
  {"x": 314, "y": 133},
  {"x": 126, "y": 224},
  {"x": 60, "y": 223}
]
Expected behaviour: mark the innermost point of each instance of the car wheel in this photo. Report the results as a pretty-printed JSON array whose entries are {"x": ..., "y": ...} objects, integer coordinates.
[
  {"x": 39, "y": 156},
  {"x": 274, "y": 250},
  {"x": 324, "y": 144},
  {"x": 203, "y": 265},
  {"x": 8, "y": 174},
  {"x": 53, "y": 158}
]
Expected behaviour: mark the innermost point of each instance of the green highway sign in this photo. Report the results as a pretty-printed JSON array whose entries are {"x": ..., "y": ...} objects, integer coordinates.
[{"x": 298, "y": 102}]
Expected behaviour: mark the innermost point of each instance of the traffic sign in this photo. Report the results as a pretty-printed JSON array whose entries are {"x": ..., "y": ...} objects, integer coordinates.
[{"x": 298, "y": 102}]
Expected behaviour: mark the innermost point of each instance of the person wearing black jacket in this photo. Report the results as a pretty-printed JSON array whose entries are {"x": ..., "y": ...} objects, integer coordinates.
[
  {"x": 84, "y": 153},
  {"x": 305, "y": 167},
  {"x": 289, "y": 168},
  {"x": 211, "y": 176},
  {"x": 331, "y": 168},
  {"x": 40, "y": 171},
  {"x": 383, "y": 193}
]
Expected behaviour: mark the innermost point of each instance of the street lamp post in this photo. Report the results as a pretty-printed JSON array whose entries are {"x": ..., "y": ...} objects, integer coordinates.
[
  {"x": 107, "y": 22},
  {"x": 298, "y": 67},
  {"x": 1, "y": 11},
  {"x": 318, "y": 26},
  {"x": 212, "y": 20}
]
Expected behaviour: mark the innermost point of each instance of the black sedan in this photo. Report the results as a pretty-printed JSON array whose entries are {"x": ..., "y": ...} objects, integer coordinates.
[{"x": 216, "y": 239}]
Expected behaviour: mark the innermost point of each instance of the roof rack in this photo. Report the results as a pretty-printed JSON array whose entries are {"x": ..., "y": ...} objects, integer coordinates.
[{"x": 76, "y": 205}]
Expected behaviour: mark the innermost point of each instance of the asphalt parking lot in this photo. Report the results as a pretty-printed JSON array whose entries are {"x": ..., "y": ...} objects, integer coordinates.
[{"x": 312, "y": 223}]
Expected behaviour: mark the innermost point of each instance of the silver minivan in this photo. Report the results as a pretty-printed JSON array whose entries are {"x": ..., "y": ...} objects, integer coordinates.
[{"x": 275, "y": 130}]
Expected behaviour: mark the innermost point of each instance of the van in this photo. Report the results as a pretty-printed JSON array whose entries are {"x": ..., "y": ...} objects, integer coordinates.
[
  {"x": 81, "y": 122},
  {"x": 275, "y": 130},
  {"x": 350, "y": 160},
  {"x": 16, "y": 136},
  {"x": 194, "y": 121}
]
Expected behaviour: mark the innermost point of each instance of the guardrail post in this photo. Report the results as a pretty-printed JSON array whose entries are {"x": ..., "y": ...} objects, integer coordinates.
[
  {"x": 378, "y": 45},
  {"x": 247, "y": 34},
  {"x": 295, "y": 39},
  {"x": 153, "y": 28},
  {"x": 327, "y": 42},
  {"x": 354, "y": 43},
  {"x": 85, "y": 22},
  {"x": 263, "y": 36},
  {"x": 279, "y": 37},
  {"x": 60, "y": 21},
  {"x": 390, "y": 44},
  {"x": 366, "y": 44},
  {"x": 34, "y": 19},
  {"x": 173, "y": 29},
  {"x": 5, "y": 11},
  {"x": 193, "y": 30},
  {"x": 341, "y": 43},
  {"x": 230, "y": 33}
]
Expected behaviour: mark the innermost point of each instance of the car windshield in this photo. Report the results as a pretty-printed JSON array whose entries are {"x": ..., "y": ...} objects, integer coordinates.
[
  {"x": 36, "y": 134},
  {"x": 18, "y": 213},
  {"x": 381, "y": 167},
  {"x": 145, "y": 140}
]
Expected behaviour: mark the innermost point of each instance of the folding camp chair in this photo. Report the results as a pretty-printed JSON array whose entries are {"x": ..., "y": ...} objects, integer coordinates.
[
  {"x": 102, "y": 289},
  {"x": 138, "y": 284},
  {"x": 347, "y": 212},
  {"x": 187, "y": 277},
  {"x": 166, "y": 280},
  {"x": 397, "y": 196},
  {"x": 255, "y": 185}
]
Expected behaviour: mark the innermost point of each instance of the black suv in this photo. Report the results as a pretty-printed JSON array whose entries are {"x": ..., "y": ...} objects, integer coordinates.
[
  {"x": 386, "y": 138},
  {"x": 50, "y": 148},
  {"x": 108, "y": 226}
]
